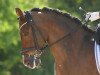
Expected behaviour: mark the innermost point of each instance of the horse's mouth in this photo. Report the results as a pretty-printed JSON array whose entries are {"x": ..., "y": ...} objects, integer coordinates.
[{"x": 31, "y": 61}]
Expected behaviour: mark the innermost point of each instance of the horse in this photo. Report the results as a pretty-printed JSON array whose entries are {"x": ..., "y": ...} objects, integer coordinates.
[{"x": 69, "y": 40}]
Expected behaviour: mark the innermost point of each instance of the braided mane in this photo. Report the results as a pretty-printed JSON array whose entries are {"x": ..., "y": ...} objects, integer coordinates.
[{"x": 57, "y": 11}]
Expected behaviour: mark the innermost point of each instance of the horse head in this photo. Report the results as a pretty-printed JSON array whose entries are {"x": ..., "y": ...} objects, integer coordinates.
[{"x": 31, "y": 42}]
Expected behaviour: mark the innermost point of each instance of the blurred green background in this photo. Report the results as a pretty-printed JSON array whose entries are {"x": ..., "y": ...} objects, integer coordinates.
[{"x": 10, "y": 43}]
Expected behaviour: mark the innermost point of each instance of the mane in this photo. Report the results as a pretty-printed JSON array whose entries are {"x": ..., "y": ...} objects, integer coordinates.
[{"x": 68, "y": 15}]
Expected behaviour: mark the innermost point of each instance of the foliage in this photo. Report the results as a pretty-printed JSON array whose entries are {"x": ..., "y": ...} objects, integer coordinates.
[{"x": 10, "y": 58}]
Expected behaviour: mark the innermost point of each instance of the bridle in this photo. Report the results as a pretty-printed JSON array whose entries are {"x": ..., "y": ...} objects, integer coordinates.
[
  {"x": 30, "y": 22},
  {"x": 33, "y": 57}
]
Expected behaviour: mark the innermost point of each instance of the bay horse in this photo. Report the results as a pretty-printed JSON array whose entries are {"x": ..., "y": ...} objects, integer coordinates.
[{"x": 69, "y": 40}]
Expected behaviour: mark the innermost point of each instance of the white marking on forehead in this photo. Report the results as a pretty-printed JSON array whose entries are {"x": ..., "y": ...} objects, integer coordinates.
[{"x": 39, "y": 13}]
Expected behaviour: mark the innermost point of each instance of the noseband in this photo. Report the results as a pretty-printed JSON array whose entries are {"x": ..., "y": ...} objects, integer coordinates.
[{"x": 30, "y": 22}]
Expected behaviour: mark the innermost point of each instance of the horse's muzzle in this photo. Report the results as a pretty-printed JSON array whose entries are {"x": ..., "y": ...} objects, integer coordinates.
[{"x": 31, "y": 61}]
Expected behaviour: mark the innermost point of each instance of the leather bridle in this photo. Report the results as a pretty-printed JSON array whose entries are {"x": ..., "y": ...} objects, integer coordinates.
[{"x": 30, "y": 22}]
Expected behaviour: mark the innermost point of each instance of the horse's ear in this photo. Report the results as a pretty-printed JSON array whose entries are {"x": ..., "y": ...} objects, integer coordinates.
[{"x": 19, "y": 12}]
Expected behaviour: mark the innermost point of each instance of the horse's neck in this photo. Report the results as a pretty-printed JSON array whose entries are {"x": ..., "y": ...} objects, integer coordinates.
[
  {"x": 71, "y": 48},
  {"x": 74, "y": 42},
  {"x": 64, "y": 39},
  {"x": 68, "y": 51}
]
